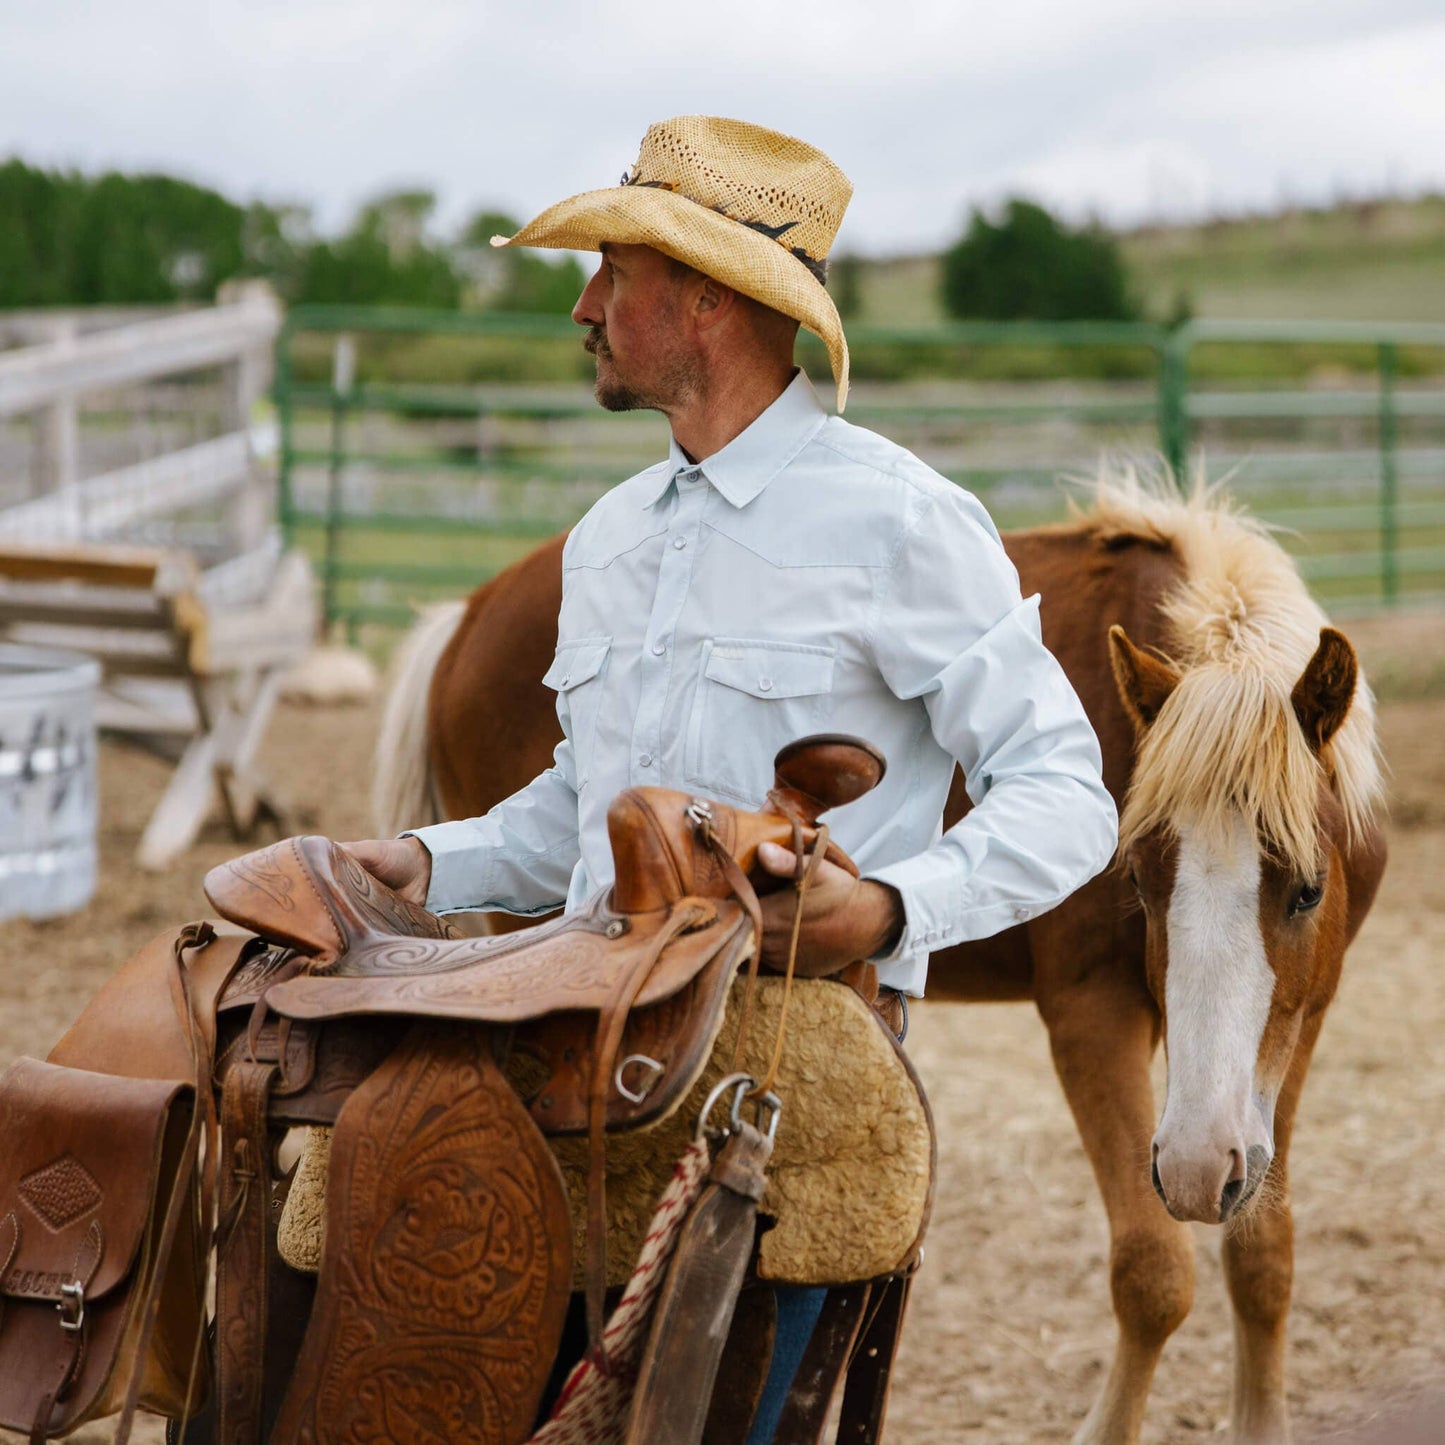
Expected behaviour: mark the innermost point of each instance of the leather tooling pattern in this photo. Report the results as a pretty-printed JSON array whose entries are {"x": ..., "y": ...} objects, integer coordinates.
[
  {"x": 60, "y": 1192},
  {"x": 444, "y": 1217},
  {"x": 261, "y": 872}
]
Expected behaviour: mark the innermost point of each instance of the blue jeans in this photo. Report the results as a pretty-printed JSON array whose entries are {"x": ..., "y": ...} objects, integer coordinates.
[{"x": 798, "y": 1311}]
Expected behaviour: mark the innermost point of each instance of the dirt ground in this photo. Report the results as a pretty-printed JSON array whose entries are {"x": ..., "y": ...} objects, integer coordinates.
[{"x": 1010, "y": 1332}]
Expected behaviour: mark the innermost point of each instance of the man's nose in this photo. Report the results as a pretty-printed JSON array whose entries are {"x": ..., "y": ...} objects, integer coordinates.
[{"x": 588, "y": 310}]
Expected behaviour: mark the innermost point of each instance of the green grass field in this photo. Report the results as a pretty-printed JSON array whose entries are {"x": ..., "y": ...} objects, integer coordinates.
[{"x": 1375, "y": 261}]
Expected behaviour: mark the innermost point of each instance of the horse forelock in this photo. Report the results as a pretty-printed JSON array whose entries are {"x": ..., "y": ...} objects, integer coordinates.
[
  {"x": 1241, "y": 629},
  {"x": 1226, "y": 746}
]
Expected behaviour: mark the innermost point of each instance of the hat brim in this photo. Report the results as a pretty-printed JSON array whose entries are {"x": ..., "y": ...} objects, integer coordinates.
[{"x": 718, "y": 246}]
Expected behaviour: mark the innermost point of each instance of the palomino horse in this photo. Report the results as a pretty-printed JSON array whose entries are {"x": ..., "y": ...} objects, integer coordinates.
[{"x": 1240, "y": 746}]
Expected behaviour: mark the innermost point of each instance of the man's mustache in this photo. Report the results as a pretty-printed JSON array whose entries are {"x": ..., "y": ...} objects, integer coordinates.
[{"x": 597, "y": 342}]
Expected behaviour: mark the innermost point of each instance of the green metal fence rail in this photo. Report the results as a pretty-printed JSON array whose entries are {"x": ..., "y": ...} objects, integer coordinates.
[{"x": 407, "y": 489}]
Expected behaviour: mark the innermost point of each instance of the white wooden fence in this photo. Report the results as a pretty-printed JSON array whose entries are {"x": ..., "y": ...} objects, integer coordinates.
[
  {"x": 193, "y": 639},
  {"x": 65, "y": 365}
]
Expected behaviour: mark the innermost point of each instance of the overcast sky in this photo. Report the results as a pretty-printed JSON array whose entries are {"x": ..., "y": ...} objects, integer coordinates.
[{"x": 1129, "y": 109}]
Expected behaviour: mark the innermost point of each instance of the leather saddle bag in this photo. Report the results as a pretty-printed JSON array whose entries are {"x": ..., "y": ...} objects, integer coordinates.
[{"x": 86, "y": 1180}]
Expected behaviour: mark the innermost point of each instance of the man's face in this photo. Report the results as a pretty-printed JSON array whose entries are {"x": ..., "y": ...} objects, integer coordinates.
[{"x": 635, "y": 307}]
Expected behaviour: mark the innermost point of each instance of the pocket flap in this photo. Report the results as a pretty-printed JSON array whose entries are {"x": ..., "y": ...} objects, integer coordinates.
[
  {"x": 80, "y": 1164},
  {"x": 576, "y": 663},
  {"x": 771, "y": 669}
]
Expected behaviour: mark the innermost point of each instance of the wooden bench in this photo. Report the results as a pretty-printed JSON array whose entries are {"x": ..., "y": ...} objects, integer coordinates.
[{"x": 192, "y": 662}]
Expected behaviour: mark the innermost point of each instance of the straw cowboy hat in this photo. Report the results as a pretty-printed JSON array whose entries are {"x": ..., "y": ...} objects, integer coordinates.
[{"x": 752, "y": 208}]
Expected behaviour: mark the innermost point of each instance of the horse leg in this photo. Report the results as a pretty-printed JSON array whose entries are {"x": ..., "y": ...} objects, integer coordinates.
[
  {"x": 1259, "y": 1271},
  {"x": 1103, "y": 1031}
]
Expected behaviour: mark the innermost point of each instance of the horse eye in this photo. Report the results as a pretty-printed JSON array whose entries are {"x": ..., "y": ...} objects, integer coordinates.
[{"x": 1306, "y": 897}]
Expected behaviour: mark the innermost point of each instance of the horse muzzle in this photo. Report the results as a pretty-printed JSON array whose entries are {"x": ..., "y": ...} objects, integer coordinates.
[{"x": 1209, "y": 1185}]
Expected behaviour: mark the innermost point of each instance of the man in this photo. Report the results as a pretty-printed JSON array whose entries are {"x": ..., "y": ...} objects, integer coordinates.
[{"x": 781, "y": 573}]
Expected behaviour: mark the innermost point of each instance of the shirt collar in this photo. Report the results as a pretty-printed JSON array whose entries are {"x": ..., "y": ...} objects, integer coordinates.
[{"x": 741, "y": 469}]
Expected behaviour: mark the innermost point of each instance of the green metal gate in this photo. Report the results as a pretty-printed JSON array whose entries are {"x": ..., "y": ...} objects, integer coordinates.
[{"x": 407, "y": 487}]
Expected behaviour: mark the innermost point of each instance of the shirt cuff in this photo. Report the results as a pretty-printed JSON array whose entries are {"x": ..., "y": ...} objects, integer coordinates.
[{"x": 462, "y": 878}]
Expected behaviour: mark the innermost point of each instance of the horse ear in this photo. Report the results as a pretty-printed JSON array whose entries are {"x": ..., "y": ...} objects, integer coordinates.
[
  {"x": 1144, "y": 682},
  {"x": 1322, "y": 696}
]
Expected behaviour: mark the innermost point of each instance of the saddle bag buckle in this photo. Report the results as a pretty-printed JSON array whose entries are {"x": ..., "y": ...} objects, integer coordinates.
[
  {"x": 71, "y": 1306},
  {"x": 652, "y": 1072}
]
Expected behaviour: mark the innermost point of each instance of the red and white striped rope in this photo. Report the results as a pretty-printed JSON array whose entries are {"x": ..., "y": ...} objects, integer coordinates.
[{"x": 592, "y": 1408}]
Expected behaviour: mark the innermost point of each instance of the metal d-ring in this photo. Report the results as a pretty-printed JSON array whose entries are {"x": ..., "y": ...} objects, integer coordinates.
[{"x": 653, "y": 1072}]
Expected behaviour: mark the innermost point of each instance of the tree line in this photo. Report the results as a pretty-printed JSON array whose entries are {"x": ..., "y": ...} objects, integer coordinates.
[
  {"x": 124, "y": 240},
  {"x": 114, "y": 239}
]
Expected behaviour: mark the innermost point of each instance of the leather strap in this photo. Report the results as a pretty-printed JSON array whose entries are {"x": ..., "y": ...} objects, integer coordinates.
[
  {"x": 73, "y": 1330},
  {"x": 242, "y": 1267},
  {"x": 865, "y": 1395},
  {"x": 611, "y": 1023},
  {"x": 805, "y": 1414},
  {"x": 692, "y": 1316},
  {"x": 9, "y": 1245},
  {"x": 203, "y": 1121}
]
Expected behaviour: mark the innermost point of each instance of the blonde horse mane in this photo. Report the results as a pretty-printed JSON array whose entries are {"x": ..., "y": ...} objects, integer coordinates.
[{"x": 1241, "y": 629}]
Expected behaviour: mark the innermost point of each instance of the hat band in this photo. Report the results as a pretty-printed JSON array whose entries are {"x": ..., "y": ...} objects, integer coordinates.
[{"x": 817, "y": 268}]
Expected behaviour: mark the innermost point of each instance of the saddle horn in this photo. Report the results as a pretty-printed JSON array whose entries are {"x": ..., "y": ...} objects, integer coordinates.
[{"x": 823, "y": 771}]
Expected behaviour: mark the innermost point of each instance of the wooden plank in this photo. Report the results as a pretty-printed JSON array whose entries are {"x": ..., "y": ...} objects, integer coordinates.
[
  {"x": 149, "y": 617},
  {"x": 114, "y": 713},
  {"x": 183, "y": 807},
  {"x": 102, "y": 566},
  {"x": 137, "y": 654},
  {"x": 240, "y": 581},
  {"x": 35, "y": 376},
  {"x": 244, "y": 729},
  {"x": 280, "y": 630}
]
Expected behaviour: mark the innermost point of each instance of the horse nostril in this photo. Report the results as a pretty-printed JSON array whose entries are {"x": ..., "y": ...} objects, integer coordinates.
[
  {"x": 1154, "y": 1175},
  {"x": 1229, "y": 1200},
  {"x": 1233, "y": 1194}
]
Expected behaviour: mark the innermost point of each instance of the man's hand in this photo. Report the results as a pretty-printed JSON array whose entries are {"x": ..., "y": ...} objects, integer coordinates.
[
  {"x": 403, "y": 864},
  {"x": 844, "y": 918}
]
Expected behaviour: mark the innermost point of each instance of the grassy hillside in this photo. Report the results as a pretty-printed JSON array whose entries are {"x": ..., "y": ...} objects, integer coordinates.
[{"x": 1368, "y": 261}]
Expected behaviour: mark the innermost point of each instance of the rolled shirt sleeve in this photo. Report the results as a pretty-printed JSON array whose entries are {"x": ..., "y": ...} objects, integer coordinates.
[
  {"x": 954, "y": 631},
  {"x": 519, "y": 857}
]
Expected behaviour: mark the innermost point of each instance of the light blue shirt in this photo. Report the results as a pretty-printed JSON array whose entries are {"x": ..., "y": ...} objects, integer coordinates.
[{"x": 809, "y": 577}]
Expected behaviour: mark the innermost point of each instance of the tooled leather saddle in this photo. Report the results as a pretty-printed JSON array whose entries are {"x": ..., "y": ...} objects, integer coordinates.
[{"x": 447, "y": 1268}]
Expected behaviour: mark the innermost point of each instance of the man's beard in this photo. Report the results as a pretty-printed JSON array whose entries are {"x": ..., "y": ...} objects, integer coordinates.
[{"x": 679, "y": 381}]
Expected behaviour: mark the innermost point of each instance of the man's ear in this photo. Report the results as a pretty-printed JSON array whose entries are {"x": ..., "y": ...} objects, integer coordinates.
[
  {"x": 713, "y": 303},
  {"x": 1144, "y": 682}
]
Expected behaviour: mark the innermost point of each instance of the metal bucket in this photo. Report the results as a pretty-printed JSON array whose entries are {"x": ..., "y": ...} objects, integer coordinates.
[{"x": 47, "y": 781}]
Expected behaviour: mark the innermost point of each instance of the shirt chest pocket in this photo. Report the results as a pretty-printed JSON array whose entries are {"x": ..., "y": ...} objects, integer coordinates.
[
  {"x": 752, "y": 698},
  {"x": 576, "y": 675}
]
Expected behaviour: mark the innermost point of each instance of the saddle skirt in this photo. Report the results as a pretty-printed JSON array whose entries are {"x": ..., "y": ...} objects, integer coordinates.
[{"x": 851, "y": 1177}]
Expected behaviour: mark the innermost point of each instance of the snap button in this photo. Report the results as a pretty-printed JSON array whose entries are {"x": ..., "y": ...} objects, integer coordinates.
[
  {"x": 679, "y": 543},
  {"x": 765, "y": 684},
  {"x": 646, "y": 760},
  {"x": 658, "y": 648},
  {"x": 566, "y": 679}
]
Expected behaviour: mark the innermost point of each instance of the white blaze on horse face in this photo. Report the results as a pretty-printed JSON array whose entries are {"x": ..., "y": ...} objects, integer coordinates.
[{"x": 1217, "y": 993}]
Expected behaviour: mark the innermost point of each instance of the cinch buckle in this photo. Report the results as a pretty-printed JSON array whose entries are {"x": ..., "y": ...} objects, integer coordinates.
[
  {"x": 71, "y": 1305},
  {"x": 742, "y": 1086}
]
